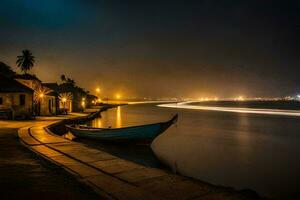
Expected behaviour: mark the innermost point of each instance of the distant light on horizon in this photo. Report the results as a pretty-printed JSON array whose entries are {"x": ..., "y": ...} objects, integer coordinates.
[
  {"x": 240, "y": 98},
  {"x": 185, "y": 105},
  {"x": 208, "y": 99}
]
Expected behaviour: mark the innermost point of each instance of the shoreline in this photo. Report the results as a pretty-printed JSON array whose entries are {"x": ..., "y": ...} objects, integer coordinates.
[
  {"x": 242, "y": 191},
  {"x": 40, "y": 139},
  {"x": 279, "y": 112}
]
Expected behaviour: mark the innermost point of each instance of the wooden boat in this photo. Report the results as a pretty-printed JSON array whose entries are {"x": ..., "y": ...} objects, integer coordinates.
[{"x": 134, "y": 133}]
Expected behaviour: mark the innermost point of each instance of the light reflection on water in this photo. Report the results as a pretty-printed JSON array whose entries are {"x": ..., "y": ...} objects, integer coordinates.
[
  {"x": 259, "y": 152},
  {"x": 119, "y": 118}
]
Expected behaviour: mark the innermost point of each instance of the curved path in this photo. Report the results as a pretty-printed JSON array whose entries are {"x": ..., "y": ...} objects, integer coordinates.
[
  {"x": 115, "y": 178},
  {"x": 25, "y": 175}
]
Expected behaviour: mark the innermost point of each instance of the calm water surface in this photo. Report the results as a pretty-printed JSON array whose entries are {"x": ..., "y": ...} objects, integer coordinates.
[{"x": 260, "y": 152}]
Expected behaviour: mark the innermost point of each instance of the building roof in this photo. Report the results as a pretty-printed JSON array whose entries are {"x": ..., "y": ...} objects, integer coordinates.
[
  {"x": 68, "y": 87},
  {"x": 26, "y": 77},
  {"x": 52, "y": 86},
  {"x": 90, "y": 96},
  {"x": 53, "y": 94},
  {"x": 9, "y": 85},
  {"x": 6, "y": 70}
]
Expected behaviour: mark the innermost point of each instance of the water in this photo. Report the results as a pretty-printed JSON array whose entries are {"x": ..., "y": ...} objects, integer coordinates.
[{"x": 259, "y": 152}]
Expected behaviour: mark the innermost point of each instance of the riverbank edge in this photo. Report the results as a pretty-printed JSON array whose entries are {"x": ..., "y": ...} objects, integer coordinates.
[{"x": 91, "y": 174}]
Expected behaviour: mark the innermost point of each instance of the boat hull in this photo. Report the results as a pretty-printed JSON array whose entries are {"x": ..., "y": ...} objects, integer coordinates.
[{"x": 135, "y": 133}]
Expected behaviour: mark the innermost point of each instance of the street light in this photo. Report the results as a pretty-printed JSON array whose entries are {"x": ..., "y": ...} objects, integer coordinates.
[
  {"x": 83, "y": 103},
  {"x": 97, "y": 91}
]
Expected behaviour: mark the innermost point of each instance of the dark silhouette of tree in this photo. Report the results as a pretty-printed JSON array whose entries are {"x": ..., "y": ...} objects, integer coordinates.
[
  {"x": 26, "y": 60},
  {"x": 63, "y": 78},
  {"x": 6, "y": 70},
  {"x": 71, "y": 81},
  {"x": 67, "y": 80}
]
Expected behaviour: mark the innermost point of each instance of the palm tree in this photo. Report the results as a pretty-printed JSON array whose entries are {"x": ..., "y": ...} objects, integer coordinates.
[
  {"x": 26, "y": 60},
  {"x": 63, "y": 78}
]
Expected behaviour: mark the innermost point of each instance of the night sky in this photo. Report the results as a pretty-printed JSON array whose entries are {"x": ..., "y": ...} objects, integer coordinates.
[{"x": 203, "y": 48}]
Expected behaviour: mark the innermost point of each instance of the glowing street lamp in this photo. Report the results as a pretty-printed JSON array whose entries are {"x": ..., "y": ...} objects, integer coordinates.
[
  {"x": 83, "y": 103},
  {"x": 65, "y": 99},
  {"x": 97, "y": 93},
  {"x": 41, "y": 95}
]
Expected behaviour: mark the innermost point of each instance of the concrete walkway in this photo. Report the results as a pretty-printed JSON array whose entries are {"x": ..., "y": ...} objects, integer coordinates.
[
  {"x": 25, "y": 175},
  {"x": 115, "y": 178}
]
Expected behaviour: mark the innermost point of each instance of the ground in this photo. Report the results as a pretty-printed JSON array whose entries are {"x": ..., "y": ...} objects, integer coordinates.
[{"x": 24, "y": 175}]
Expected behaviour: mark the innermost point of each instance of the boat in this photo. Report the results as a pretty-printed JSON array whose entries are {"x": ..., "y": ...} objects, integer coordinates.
[{"x": 133, "y": 133}]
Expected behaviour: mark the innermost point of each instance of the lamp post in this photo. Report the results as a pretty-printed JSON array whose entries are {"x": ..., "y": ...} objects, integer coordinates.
[{"x": 98, "y": 91}]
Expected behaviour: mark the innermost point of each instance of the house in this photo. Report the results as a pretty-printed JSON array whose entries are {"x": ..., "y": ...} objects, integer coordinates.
[
  {"x": 91, "y": 100},
  {"x": 70, "y": 97},
  {"x": 76, "y": 94},
  {"x": 63, "y": 100},
  {"x": 54, "y": 87},
  {"x": 16, "y": 99},
  {"x": 65, "y": 93},
  {"x": 6, "y": 70},
  {"x": 44, "y": 99}
]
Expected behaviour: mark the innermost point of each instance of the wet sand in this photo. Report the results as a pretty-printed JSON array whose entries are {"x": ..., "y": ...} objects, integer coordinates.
[{"x": 25, "y": 175}]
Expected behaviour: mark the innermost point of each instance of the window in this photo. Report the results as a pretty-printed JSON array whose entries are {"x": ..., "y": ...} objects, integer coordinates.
[
  {"x": 22, "y": 99},
  {"x": 1, "y": 100}
]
